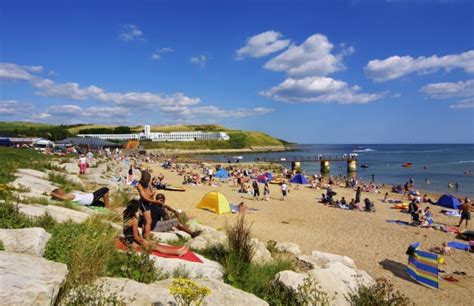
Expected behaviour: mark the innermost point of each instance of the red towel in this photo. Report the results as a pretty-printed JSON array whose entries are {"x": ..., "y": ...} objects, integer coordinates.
[{"x": 189, "y": 256}]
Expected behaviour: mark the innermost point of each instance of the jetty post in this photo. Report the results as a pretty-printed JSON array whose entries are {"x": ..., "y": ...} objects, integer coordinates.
[
  {"x": 351, "y": 165},
  {"x": 325, "y": 166}
]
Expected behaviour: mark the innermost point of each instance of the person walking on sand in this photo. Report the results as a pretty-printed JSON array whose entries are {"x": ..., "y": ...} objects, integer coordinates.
[
  {"x": 465, "y": 211},
  {"x": 266, "y": 191},
  {"x": 256, "y": 190},
  {"x": 358, "y": 195},
  {"x": 284, "y": 190}
]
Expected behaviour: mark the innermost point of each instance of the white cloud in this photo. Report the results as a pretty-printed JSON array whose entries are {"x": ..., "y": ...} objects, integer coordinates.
[
  {"x": 448, "y": 90},
  {"x": 76, "y": 113},
  {"x": 157, "y": 54},
  {"x": 131, "y": 32},
  {"x": 13, "y": 107},
  {"x": 10, "y": 71},
  {"x": 199, "y": 60},
  {"x": 319, "y": 90},
  {"x": 263, "y": 44},
  {"x": 396, "y": 67},
  {"x": 464, "y": 104},
  {"x": 311, "y": 58},
  {"x": 211, "y": 112},
  {"x": 69, "y": 90}
]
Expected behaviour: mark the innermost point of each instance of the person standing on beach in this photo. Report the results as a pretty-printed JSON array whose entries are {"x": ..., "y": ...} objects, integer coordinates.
[
  {"x": 256, "y": 190},
  {"x": 465, "y": 211},
  {"x": 146, "y": 200},
  {"x": 284, "y": 190},
  {"x": 373, "y": 178},
  {"x": 82, "y": 164},
  {"x": 358, "y": 194},
  {"x": 266, "y": 191}
]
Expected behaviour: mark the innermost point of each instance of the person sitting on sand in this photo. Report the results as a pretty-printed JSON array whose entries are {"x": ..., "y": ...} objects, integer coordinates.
[
  {"x": 443, "y": 250},
  {"x": 99, "y": 198},
  {"x": 323, "y": 199},
  {"x": 135, "y": 241},
  {"x": 160, "y": 220},
  {"x": 369, "y": 205},
  {"x": 426, "y": 218},
  {"x": 354, "y": 206}
]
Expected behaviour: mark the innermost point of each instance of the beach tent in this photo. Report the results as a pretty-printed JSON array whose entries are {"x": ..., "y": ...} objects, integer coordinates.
[
  {"x": 269, "y": 176},
  {"x": 222, "y": 174},
  {"x": 299, "y": 179},
  {"x": 423, "y": 266},
  {"x": 449, "y": 201},
  {"x": 262, "y": 178},
  {"x": 216, "y": 202}
]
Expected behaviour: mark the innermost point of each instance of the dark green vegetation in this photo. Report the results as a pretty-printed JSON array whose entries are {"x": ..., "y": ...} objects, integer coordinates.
[
  {"x": 381, "y": 293},
  {"x": 103, "y": 130},
  {"x": 26, "y": 129},
  {"x": 12, "y": 159}
]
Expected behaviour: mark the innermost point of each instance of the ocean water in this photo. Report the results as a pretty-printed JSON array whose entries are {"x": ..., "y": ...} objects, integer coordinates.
[{"x": 440, "y": 164}]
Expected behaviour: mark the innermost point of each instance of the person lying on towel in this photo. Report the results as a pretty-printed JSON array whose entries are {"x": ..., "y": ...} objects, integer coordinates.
[
  {"x": 160, "y": 220},
  {"x": 135, "y": 241},
  {"x": 99, "y": 197}
]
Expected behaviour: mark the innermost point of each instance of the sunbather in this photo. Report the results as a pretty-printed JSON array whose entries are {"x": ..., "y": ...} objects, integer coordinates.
[
  {"x": 99, "y": 198},
  {"x": 133, "y": 238},
  {"x": 443, "y": 250}
]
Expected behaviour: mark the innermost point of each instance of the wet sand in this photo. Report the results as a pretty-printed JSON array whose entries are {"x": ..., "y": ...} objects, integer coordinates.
[{"x": 376, "y": 246}]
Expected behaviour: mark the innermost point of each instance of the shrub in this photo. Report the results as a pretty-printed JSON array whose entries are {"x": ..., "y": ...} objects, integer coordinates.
[
  {"x": 138, "y": 267},
  {"x": 181, "y": 272},
  {"x": 120, "y": 198},
  {"x": 240, "y": 240},
  {"x": 91, "y": 294},
  {"x": 11, "y": 218},
  {"x": 307, "y": 294},
  {"x": 187, "y": 292},
  {"x": 379, "y": 294},
  {"x": 2, "y": 248}
]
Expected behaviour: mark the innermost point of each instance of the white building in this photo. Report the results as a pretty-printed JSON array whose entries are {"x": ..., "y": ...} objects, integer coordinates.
[{"x": 172, "y": 136}]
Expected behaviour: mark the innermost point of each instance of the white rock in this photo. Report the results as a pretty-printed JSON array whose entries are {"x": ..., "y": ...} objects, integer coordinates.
[
  {"x": 262, "y": 254},
  {"x": 26, "y": 240},
  {"x": 207, "y": 239},
  {"x": 206, "y": 269},
  {"x": 29, "y": 280},
  {"x": 288, "y": 247},
  {"x": 170, "y": 236},
  {"x": 157, "y": 293},
  {"x": 34, "y": 173},
  {"x": 338, "y": 278},
  {"x": 291, "y": 279},
  {"x": 34, "y": 184},
  {"x": 321, "y": 259},
  {"x": 59, "y": 214},
  {"x": 70, "y": 177},
  {"x": 71, "y": 167},
  {"x": 194, "y": 226}
]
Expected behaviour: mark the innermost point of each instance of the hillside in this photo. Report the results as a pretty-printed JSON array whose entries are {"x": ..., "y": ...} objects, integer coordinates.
[{"x": 239, "y": 139}]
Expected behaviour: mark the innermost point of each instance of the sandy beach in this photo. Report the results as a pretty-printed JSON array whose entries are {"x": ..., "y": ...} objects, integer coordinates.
[{"x": 376, "y": 246}]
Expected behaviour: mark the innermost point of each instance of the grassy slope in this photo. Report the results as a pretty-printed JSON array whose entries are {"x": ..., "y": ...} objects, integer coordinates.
[{"x": 12, "y": 159}]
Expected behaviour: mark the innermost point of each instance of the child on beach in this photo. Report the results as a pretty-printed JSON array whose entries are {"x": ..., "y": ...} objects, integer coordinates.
[{"x": 284, "y": 190}]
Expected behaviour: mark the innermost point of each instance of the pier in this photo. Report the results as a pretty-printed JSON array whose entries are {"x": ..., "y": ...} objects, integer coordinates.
[{"x": 324, "y": 160}]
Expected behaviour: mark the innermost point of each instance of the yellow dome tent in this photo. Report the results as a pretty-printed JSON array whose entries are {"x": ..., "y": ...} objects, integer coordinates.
[{"x": 216, "y": 202}]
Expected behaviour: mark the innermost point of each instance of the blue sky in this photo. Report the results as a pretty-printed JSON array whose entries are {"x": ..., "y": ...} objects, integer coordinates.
[{"x": 305, "y": 71}]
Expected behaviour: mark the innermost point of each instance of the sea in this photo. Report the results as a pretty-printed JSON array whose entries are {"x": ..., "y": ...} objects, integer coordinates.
[{"x": 434, "y": 166}]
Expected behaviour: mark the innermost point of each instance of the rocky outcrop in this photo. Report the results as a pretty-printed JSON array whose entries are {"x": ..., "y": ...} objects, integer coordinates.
[
  {"x": 334, "y": 274},
  {"x": 71, "y": 167},
  {"x": 34, "y": 184},
  {"x": 288, "y": 247},
  {"x": 157, "y": 293},
  {"x": 208, "y": 239},
  {"x": 262, "y": 254},
  {"x": 206, "y": 269},
  {"x": 29, "y": 280},
  {"x": 69, "y": 177},
  {"x": 59, "y": 214},
  {"x": 26, "y": 240},
  {"x": 170, "y": 236}
]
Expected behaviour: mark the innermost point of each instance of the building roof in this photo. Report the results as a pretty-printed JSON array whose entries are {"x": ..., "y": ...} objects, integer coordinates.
[{"x": 95, "y": 142}]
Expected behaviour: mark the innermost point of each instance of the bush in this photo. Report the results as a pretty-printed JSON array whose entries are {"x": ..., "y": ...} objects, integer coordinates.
[
  {"x": 187, "y": 292},
  {"x": 240, "y": 240},
  {"x": 138, "y": 267},
  {"x": 2, "y": 248},
  {"x": 120, "y": 198},
  {"x": 308, "y": 293},
  {"x": 91, "y": 294},
  {"x": 380, "y": 294}
]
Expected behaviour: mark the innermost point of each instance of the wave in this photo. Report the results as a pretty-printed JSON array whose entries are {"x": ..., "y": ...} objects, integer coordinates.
[{"x": 363, "y": 150}]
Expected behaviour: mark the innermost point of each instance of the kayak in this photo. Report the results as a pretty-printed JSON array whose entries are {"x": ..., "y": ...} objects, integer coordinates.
[{"x": 174, "y": 188}]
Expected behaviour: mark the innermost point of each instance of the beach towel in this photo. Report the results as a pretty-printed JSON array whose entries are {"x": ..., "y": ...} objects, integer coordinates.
[
  {"x": 235, "y": 208},
  {"x": 423, "y": 267},
  {"x": 452, "y": 213},
  {"x": 458, "y": 245},
  {"x": 189, "y": 256}
]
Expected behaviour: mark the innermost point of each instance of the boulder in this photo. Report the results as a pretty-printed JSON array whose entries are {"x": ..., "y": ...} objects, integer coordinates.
[
  {"x": 170, "y": 236},
  {"x": 195, "y": 226},
  {"x": 206, "y": 269},
  {"x": 33, "y": 184},
  {"x": 262, "y": 254},
  {"x": 207, "y": 239},
  {"x": 288, "y": 247},
  {"x": 338, "y": 280},
  {"x": 29, "y": 280},
  {"x": 71, "y": 167},
  {"x": 321, "y": 259},
  {"x": 26, "y": 240},
  {"x": 290, "y": 279},
  {"x": 70, "y": 177},
  {"x": 34, "y": 173},
  {"x": 135, "y": 293},
  {"x": 58, "y": 213}
]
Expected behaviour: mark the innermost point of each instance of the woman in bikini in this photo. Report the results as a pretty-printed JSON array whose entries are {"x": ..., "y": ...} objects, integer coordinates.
[
  {"x": 132, "y": 236},
  {"x": 145, "y": 190}
]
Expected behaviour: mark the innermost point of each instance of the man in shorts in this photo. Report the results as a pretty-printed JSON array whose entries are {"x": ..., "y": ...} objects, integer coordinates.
[
  {"x": 160, "y": 221},
  {"x": 98, "y": 198},
  {"x": 465, "y": 211}
]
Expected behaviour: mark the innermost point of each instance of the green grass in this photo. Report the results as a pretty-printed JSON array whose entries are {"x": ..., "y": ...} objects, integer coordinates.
[
  {"x": 12, "y": 159},
  {"x": 63, "y": 182}
]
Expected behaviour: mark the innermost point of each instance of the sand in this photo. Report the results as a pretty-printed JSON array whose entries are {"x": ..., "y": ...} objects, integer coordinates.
[{"x": 376, "y": 246}]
